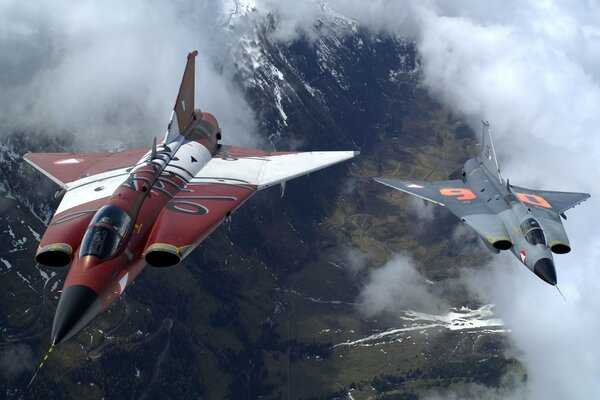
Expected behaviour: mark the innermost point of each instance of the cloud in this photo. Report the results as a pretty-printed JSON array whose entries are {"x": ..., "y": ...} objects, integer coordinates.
[
  {"x": 521, "y": 69},
  {"x": 533, "y": 70},
  {"x": 111, "y": 70},
  {"x": 476, "y": 391},
  {"x": 16, "y": 359},
  {"x": 555, "y": 338},
  {"x": 421, "y": 209},
  {"x": 353, "y": 259},
  {"x": 397, "y": 285},
  {"x": 294, "y": 18}
]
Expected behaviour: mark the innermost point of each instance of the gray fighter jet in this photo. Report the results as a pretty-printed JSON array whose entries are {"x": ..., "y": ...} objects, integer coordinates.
[{"x": 506, "y": 217}]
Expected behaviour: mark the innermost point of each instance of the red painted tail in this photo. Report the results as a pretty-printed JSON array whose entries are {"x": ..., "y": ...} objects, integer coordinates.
[{"x": 184, "y": 105}]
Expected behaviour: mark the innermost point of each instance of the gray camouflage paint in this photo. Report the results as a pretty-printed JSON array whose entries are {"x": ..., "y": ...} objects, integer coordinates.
[{"x": 496, "y": 210}]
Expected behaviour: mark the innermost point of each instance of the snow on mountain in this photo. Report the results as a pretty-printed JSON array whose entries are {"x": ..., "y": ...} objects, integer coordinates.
[{"x": 463, "y": 319}]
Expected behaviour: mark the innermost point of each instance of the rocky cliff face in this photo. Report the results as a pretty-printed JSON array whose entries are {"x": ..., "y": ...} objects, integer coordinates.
[{"x": 272, "y": 304}]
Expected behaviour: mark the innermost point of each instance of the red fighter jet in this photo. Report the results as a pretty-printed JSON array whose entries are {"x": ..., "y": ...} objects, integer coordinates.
[{"x": 151, "y": 206}]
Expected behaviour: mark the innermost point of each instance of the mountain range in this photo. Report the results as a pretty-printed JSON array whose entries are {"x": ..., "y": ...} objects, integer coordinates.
[{"x": 340, "y": 289}]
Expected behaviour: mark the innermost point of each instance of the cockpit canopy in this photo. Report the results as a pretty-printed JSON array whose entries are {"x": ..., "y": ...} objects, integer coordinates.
[
  {"x": 532, "y": 231},
  {"x": 105, "y": 233}
]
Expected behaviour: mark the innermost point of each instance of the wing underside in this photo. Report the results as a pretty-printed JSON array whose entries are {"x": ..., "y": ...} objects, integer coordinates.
[
  {"x": 64, "y": 168},
  {"x": 223, "y": 185},
  {"x": 429, "y": 191},
  {"x": 550, "y": 201},
  {"x": 87, "y": 177},
  {"x": 192, "y": 215},
  {"x": 458, "y": 199},
  {"x": 237, "y": 165},
  {"x": 453, "y": 194},
  {"x": 462, "y": 202}
]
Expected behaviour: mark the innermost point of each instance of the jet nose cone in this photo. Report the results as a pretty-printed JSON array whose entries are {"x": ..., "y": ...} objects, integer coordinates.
[
  {"x": 544, "y": 268},
  {"x": 77, "y": 307}
]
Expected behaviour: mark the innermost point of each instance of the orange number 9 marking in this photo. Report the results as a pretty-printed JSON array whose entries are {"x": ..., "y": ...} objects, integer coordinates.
[
  {"x": 462, "y": 194},
  {"x": 533, "y": 199}
]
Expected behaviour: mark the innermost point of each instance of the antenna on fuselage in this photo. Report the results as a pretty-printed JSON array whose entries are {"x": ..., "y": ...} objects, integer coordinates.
[
  {"x": 153, "y": 149},
  {"x": 556, "y": 286}
]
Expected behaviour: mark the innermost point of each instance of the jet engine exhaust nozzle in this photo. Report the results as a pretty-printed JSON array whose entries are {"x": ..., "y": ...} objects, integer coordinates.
[
  {"x": 56, "y": 255},
  {"x": 162, "y": 255},
  {"x": 502, "y": 244}
]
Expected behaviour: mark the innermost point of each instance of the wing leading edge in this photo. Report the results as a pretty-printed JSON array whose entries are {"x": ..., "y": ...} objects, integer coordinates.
[{"x": 237, "y": 165}]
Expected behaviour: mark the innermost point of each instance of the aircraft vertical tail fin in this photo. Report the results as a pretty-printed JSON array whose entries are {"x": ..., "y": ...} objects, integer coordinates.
[
  {"x": 184, "y": 105},
  {"x": 487, "y": 158}
]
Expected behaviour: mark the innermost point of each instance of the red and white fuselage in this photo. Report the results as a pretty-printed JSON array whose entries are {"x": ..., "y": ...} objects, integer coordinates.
[
  {"x": 161, "y": 174},
  {"x": 153, "y": 206}
]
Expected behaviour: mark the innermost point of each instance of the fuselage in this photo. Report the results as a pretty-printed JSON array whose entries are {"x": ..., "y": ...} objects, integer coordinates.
[
  {"x": 113, "y": 248},
  {"x": 118, "y": 214},
  {"x": 525, "y": 237}
]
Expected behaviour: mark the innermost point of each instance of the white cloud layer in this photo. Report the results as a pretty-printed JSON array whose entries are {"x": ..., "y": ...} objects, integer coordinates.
[
  {"x": 112, "y": 69},
  {"x": 15, "y": 359},
  {"x": 395, "y": 286}
]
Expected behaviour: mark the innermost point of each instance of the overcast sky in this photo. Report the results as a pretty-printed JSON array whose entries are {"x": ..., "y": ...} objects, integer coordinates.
[{"x": 531, "y": 68}]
